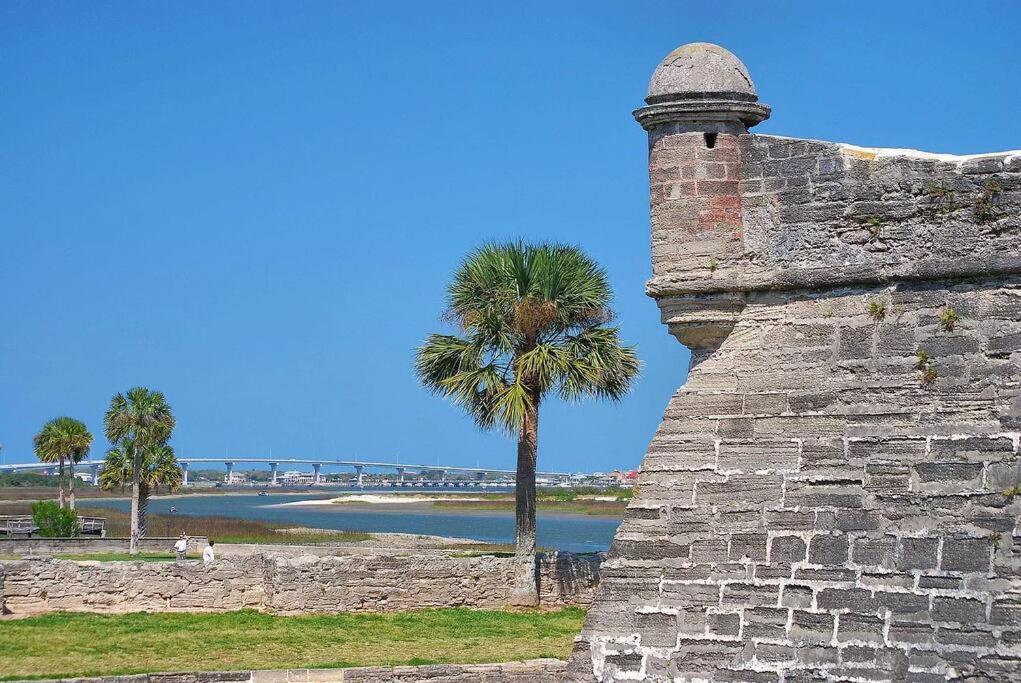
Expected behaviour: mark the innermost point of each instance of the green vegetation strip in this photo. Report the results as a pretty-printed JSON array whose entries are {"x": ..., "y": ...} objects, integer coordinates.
[
  {"x": 121, "y": 557},
  {"x": 69, "y": 645}
]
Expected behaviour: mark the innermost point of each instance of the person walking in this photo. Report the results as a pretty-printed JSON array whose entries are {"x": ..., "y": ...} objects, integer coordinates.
[
  {"x": 209, "y": 555},
  {"x": 181, "y": 548}
]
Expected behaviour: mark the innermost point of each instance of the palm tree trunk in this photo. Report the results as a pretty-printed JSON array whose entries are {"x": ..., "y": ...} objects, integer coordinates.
[
  {"x": 70, "y": 484},
  {"x": 143, "y": 510},
  {"x": 136, "y": 470},
  {"x": 524, "y": 484},
  {"x": 60, "y": 484},
  {"x": 525, "y": 591}
]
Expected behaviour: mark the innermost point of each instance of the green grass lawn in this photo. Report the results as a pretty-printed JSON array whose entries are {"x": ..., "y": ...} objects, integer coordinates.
[
  {"x": 66, "y": 645},
  {"x": 123, "y": 557}
]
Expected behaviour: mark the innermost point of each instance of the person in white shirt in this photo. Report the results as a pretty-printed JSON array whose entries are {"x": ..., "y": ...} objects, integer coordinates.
[
  {"x": 208, "y": 555},
  {"x": 181, "y": 548}
]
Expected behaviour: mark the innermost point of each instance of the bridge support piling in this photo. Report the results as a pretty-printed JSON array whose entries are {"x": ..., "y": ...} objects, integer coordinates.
[
  {"x": 400, "y": 476},
  {"x": 359, "y": 471},
  {"x": 229, "y": 479},
  {"x": 95, "y": 474},
  {"x": 273, "y": 473},
  {"x": 316, "y": 480},
  {"x": 184, "y": 474}
]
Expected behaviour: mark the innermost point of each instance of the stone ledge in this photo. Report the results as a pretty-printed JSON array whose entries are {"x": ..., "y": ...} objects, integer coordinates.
[{"x": 529, "y": 671}]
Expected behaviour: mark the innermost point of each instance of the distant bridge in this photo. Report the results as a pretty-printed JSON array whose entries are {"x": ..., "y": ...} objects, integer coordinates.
[{"x": 94, "y": 467}]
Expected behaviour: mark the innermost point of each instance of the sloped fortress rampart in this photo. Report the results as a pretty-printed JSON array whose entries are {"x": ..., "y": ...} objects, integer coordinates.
[{"x": 834, "y": 493}]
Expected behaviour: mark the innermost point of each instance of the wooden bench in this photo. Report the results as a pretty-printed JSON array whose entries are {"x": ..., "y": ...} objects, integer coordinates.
[
  {"x": 24, "y": 525},
  {"x": 14, "y": 524},
  {"x": 94, "y": 526}
]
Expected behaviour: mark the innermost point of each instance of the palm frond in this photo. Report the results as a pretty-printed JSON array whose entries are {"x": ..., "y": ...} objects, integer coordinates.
[
  {"x": 158, "y": 466},
  {"x": 600, "y": 366},
  {"x": 533, "y": 320},
  {"x": 63, "y": 437}
]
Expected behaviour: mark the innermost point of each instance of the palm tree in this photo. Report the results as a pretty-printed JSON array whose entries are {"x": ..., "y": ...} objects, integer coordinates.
[
  {"x": 143, "y": 417},
  {"x": 63, "y": 439},
  {"x": 533, "y": 321},
  {"x": 159, "y": 468}
]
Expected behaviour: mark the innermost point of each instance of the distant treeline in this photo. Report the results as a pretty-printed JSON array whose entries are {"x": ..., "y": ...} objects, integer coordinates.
[{"x": 27, "y": 479}]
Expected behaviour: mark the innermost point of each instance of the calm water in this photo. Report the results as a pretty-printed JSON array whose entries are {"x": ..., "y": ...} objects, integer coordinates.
[{"x": 575, "y": 533}]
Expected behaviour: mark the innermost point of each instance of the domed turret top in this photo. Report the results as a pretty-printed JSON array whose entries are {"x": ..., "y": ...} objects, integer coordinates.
[
  {"x": 700, "y": 70},
  {"x": 702, "y": 87}
]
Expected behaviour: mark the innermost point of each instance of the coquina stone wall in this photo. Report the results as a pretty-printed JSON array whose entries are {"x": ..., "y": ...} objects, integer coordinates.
[
  {"x": 831, "y": 494},
  {"x": 289, "y": 585},
  {"x": 530, "y": 671}
]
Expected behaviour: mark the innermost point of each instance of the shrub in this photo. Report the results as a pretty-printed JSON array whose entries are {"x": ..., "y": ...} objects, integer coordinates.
[
  {"x": 877, "y": 309},
  {"x": 54, "y": 522},
  {"x": 948, "y": 319}
]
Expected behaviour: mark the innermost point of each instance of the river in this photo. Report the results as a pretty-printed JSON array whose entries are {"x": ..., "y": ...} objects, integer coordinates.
[{"x": 570, "y": 532}]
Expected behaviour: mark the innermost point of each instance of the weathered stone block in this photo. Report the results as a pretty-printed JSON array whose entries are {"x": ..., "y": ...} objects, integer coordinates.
[
  {"x": 917, "y": 553},
  {"x": 789, "y": 520},
  {"x": 879, "y": 552},
  {"x": 903, "y": 604},
  {"x": 758, "y": 456},
  {"x": 960, "y": 610},
  {"x": 724, "y": 623},
  {"x": 859, "y": 627},
  {"x": 690, "y": 594},
  {"x": 741, "y": 492},
  {"x": 748, "y": 546},
  {"x": 1006, "y": 612},
  {"x": 749, "y": 594},
  {"x": 966, "y": 554},
  {"x": 811, "y": 627},
  {"x": 656, "y": 629},
  {"x": 855, "y": 599},
  {"x": 765, "y": 622},
  {"x": 788, "y": 549},
  {"x": 828, "y": 550},
  {"x": 912, "y": 632},
  {"x": 799, "y": 597},
  {"x": 705, "y": 657}
]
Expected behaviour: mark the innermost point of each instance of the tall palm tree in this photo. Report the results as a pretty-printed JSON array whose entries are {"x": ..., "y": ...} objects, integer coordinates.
[
  {"x": 144, "y": 417},
  {"x": 63, "y": 439},
  {"x": 533, "y": 320},
  {"x": 159, "y": 468}
]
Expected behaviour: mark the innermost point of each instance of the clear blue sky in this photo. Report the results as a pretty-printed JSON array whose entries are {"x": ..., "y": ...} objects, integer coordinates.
[{"x": 256, "y": 206}]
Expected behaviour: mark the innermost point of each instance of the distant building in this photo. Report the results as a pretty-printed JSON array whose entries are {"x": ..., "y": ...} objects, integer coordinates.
[
  {"x": 235, "y": 478},
  {"x": 296, "y": 478}
]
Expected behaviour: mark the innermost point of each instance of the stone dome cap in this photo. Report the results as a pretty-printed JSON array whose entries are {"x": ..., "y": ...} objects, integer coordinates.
[
  {"x": 703, "y": 87},
  {"x": 701, "y": 70}
]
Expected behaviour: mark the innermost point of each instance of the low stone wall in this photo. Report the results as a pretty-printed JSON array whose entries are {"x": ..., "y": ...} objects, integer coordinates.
[
  {"x": 289, "y": 585},
  {"x": 45, "y": 547},
  {"x": 531, "y": 671}
]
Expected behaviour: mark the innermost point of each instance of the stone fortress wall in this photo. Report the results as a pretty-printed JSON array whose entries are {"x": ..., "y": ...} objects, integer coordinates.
[
  {"x": 834, "y": 494},
  {"x": 290, "y": 585}
]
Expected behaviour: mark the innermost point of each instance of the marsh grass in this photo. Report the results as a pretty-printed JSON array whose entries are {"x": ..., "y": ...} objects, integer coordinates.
[
  {"x": 226, "y": 529},
  {"x": 220, "y": 529},
  {"x": 67, "y": 645}
]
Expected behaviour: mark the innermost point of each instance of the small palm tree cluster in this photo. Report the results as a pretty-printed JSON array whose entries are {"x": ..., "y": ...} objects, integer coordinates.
[
  {"x": 138, "y": 424},
  {"x": 63, "y": 440},
  {"x": 532, "y": 321}
]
